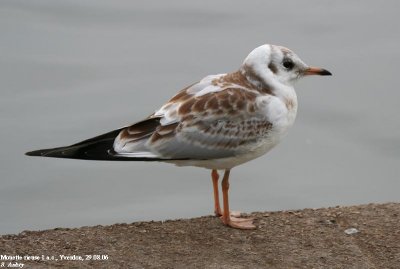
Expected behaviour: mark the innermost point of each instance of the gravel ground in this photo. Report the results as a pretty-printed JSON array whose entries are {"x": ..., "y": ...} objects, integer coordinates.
[{"x": 309, "y": 238}]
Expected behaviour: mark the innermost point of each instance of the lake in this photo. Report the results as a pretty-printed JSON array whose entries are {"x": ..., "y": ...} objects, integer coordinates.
[{"x": 71, "y": 70}]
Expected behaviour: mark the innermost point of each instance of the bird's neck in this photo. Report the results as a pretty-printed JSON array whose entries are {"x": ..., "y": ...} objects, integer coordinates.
[{"x": 265, "y": 82}]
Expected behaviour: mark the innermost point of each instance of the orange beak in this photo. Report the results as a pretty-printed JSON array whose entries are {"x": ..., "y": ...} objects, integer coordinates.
[{"x": 317, "y": 71}]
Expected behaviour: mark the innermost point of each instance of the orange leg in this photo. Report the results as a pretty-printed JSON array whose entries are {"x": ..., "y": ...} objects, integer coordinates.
[
  {"x": 227, "y": 219},
  {"x": 217, "y": 208}
]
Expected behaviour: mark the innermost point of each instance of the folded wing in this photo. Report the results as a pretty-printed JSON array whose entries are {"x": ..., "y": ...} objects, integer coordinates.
[{"x": 204, "y": 121}]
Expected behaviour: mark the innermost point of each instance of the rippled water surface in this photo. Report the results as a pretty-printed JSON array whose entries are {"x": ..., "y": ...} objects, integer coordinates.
[{"x": 70, "y": 70}]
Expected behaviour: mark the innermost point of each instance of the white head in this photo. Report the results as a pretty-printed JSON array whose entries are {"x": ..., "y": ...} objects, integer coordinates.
[{"x": 272, "y": 64}]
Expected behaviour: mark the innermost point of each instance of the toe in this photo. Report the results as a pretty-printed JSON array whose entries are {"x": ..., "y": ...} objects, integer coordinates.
[
  {"x": 239, "y": 223},
  {"x": 244, "y": 224},
  {"x": 235, "y": 213},
  {"x": 234, "y": 219}
]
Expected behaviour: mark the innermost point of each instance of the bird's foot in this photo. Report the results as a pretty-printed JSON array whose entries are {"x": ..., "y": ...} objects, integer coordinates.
[
  {"x": 239, "y": 223},
  {"x": 236, "y": 214}
]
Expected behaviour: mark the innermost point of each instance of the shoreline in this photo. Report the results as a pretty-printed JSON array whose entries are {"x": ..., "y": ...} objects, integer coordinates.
[{"x": 363, "y": 236}]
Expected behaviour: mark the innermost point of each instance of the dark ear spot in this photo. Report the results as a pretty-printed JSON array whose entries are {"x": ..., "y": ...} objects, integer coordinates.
[{"x": 273, "y": 68}]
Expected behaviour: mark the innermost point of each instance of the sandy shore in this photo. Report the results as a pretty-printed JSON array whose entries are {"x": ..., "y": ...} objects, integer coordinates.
[{"x": 309, "y": 238}]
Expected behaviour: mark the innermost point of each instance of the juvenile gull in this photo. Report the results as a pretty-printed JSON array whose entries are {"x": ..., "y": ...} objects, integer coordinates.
[{"x": 218, "y": 123}]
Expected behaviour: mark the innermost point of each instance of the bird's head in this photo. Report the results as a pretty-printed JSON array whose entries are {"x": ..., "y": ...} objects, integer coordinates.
[{"x": 271, "y": 63}]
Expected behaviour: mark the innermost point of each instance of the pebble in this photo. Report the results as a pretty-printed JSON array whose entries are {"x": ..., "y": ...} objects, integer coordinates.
[{"x": 351, "y": 231}]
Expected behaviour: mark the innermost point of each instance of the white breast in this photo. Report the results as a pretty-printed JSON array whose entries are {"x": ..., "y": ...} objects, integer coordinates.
[{"x": 280, "y": 110}]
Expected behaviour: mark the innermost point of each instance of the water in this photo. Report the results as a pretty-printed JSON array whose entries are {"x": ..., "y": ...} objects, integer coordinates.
[{"x": 70, "y": 70}]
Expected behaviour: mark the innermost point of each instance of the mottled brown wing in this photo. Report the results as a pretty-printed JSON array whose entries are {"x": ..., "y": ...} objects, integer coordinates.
[
  {"x": 215, "y": 125},
  {"x": 215, "y": 118}
]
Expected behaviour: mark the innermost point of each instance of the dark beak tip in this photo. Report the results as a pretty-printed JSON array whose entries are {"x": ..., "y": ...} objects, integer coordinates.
[{"x": 325, "y": 72}]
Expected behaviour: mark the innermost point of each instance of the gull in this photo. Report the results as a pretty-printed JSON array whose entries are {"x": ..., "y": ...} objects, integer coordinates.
[{"x": 218, "y": 123}]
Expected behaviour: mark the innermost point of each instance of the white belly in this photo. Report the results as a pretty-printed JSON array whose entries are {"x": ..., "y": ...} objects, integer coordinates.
[{"x": 229, "y": 162}]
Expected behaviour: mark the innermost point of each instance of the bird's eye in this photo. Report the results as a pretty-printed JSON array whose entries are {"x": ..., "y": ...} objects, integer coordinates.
[{"x": 288, "y": 64}]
